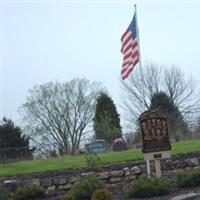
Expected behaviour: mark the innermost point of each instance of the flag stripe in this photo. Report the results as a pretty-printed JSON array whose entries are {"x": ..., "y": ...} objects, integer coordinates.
[
  {"x": 126, "y": 36},
  {"x": 125, "y": 42},
  {"x": 131, "y": 61},
  {"x": 126, "y": 73},
  {"x": 135, "y": 61},
  {"x": 131, "y": 42},
  {"x": 130, "y": 49},
  {"x": 126, "y": 45},
  {"x": 122, "y": 38},
  {"x": 131, "y": 54},
  {"x": 132, "y": 45}
]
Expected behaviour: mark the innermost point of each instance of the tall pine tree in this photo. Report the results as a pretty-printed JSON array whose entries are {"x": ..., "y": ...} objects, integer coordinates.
[
  {"x": 13, "y": 144},
  {"x": 106, "y": 120}
]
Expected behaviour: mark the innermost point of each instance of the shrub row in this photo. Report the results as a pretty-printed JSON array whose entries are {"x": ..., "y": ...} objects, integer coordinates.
[
  {"x": 189, "y": 179},
  {"x": 145, "y": 187},
  {"x": 91, "y": 188}
]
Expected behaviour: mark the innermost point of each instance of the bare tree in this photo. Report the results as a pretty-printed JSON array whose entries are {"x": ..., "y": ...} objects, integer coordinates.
[
  {"x": 138, "y": 90},
  {"x": 59, "y": 114},
  {"x": 183, "y": 92}
]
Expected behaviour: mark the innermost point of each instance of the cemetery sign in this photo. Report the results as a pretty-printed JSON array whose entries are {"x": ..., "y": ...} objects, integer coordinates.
[
  {"x": 155, "y": 138},
  {"x": 154, "y": 131}
]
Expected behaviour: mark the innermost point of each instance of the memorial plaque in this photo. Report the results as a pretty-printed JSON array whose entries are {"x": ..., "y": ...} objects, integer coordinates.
[{"x": 154, "y": 131}]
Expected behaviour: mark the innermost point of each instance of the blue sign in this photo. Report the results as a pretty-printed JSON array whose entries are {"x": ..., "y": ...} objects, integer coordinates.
[{"x": 99, "y": 146}]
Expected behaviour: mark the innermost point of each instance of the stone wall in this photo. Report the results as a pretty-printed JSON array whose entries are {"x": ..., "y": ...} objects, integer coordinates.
[{"x": 113, "y": 176}]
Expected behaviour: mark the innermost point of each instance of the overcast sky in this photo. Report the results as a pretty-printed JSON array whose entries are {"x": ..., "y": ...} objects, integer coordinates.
[{"x": 45, "y": 41}]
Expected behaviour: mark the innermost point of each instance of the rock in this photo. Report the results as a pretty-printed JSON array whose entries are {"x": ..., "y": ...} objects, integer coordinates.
[
  {"x": 168, "y": 165},
  {"x": 127, "y": 171},
  {"x": 188, "y": 169},
  {"x": 126, "y": 179},
  {"x": 145, "y": 175},
  {"x": 143, "y": 168},
  {"x": 51, "y": 188},
  {"x": 9, "y": 181},
  {"x": 115, "y": 180},
  {"x": 62, "y": 181},
  {"x": 168, "y": 173},
  {"x": 136, "y": 170},
  {"x": 87, "y": 173},
  {"x": 59, "y": 180},
  {"x": 129, "y": 178},
  {"x": 117, "y": 173},
  {"x": 55, "y": 180},
  {"x": 104, "y": 175},
  {"x": 75, "y": 179},
  {"x": 113, "y": 187},
  {"x": 11, "y": 185},
  {"x": 197, "y": 167},
  {"x": 46, "y": 182},
  {"x": 60, "y": 187},
  {"x": 133, "y": 177},
  {"x": 177, "y": 171},
  {"x": 65, "y": 187},
  {"x": 35, "y": 181},
  {"x": 190, "y": 196},
  {"x": 179, "y": 164},
  {"x": 192, "y": 162}
]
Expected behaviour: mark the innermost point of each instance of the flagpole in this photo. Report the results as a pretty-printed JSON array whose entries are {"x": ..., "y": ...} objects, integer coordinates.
[
  {"x": 137, "y": 31},
  {"x": 140, "y": 63}
]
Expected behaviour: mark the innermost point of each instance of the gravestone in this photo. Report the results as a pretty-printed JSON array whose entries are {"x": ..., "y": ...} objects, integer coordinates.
[
  {"x": 99, "y": 146},
  {"x": 119, "y": 145}
]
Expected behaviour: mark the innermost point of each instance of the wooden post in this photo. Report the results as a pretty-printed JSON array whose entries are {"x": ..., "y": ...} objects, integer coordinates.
[{"x": 158, "y": 168}]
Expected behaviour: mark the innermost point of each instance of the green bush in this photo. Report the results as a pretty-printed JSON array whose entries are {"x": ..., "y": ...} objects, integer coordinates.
[
  {"x": 102, "y": 194},
  {"x": 92, "y": 160},
  {"x": 4, "y": 195},
  {"x": 189, "y": 179},
  {"x": 144, "y": 188},
  {"x": 29, "y": 192},
  {"x": 85, "y": 188}
]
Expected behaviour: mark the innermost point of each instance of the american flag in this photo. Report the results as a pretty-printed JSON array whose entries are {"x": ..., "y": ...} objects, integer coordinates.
[{"x": 130, "y": 49}]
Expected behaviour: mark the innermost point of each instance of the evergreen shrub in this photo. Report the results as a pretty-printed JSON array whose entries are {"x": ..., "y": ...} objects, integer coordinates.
[
  {"x": 189, "y": 179},
  {"x": 29, "y": 192},
  {"x": 102, "y": 194},
  {"x": 85, "y": 188},
  {"x": 146, "y": 188}
]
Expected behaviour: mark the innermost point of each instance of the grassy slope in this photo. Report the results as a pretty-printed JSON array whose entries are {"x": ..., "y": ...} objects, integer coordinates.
[{"x": 69, "y": 162}]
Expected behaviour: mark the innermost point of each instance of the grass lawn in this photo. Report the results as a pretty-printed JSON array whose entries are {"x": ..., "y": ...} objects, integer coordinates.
[{"x": 69, "y": 162}]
